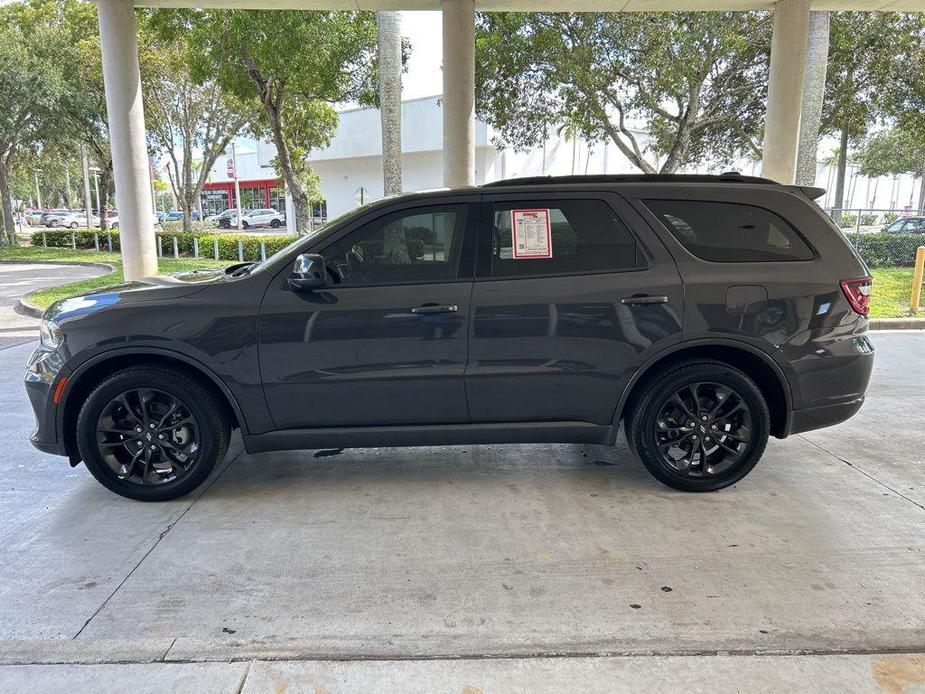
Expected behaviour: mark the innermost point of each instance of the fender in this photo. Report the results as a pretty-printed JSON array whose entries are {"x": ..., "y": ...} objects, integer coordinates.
[
  {"x": 704, "y": 342},
  {"x": 159, "y": 351}
]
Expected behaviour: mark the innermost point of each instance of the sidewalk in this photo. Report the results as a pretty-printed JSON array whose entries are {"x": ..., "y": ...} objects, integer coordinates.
[{"x": 846, "y": 674}]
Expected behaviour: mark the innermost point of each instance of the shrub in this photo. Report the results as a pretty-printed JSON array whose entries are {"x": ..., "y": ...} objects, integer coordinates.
[
  {"x": 848, "y": 220},
  {"x": 228, "y": 245},
  {"x": 888, "y": 250},
  {"x": 868, "y": 219},
  {"x": 83, "y": 238},
  {"x": 890, "y": 217}
]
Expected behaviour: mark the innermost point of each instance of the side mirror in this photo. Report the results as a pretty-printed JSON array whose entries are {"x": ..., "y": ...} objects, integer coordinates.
[{"x": 308, "y": 272}]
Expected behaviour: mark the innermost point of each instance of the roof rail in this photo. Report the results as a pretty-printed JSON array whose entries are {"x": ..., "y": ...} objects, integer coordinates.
[{"x": 728, "y": 177}]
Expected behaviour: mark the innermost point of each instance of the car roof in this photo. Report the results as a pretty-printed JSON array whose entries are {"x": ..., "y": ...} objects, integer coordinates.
[{"x": 729, "y": 177}]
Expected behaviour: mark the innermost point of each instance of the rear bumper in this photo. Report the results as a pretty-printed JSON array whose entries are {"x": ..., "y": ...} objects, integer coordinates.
[{"x": 811, "y": 418}]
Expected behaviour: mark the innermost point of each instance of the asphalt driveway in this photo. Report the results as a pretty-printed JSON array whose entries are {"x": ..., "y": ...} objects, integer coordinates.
[{"x": 476, "y": 566}]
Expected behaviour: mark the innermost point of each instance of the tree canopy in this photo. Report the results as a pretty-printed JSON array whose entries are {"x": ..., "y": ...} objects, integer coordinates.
[
  {"x": 695, "y": 81},
  {"x": 295, "y": 65}
]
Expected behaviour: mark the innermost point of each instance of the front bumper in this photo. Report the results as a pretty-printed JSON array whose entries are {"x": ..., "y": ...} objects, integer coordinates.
[{"x": 44, "y": 371}]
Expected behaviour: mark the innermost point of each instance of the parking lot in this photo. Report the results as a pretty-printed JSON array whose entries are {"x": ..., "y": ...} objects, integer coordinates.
[{"x": 472, "y": 566}]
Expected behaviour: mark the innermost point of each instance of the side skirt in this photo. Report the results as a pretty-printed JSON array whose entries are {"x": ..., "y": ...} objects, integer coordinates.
[{"x": 430, "y": 435}]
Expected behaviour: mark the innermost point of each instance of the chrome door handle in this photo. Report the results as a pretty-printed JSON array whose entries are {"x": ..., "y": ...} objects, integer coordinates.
[
  {"x": 643, "y": 300},
  {"x": 434, "y": 308}
]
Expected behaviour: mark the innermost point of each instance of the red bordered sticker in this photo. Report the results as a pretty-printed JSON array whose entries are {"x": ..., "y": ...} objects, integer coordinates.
[{"x": 531, "y": 234}]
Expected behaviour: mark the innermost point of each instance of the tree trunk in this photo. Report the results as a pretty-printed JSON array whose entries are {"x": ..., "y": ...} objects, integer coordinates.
[
  {"x": 389, "y": 29},
  {"x": 300, "y": 199},
  {"x": 842, "y": 164},
  {"x": 817, "y": 58},
  {"x": 105, "y": 178},
  {"x": 9, "y": 228}
]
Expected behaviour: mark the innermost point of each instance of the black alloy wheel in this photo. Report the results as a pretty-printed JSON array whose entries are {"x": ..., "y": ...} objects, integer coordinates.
[
  {"x": 700, "y": 426},
  {"x": 148, "y": 437},
  {"x": 152, "y": 433}
]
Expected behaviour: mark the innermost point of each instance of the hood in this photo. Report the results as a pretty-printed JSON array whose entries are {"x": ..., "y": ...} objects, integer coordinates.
[{"x": 157, "y": 287}]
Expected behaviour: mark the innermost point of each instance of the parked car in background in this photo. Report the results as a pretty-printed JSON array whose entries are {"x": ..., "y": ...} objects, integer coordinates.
[
  {"x": 114, "y": 221},
  {"x": 699, "y": 314},
  {"x": 95, "y": 217},
  {"x": 263, "y": 217},
  {"x": 906, "y": 225},
  {"x": 33, "y": 218},
  {"x": 172, "y": 216},
  {"x": 221, "y": 219},
  {"x": 45, "y": 219},
  {"x": 71, "y": 220}
]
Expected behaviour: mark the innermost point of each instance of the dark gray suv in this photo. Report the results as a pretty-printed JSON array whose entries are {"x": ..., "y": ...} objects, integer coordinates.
[{"x": 702, "y": 312}]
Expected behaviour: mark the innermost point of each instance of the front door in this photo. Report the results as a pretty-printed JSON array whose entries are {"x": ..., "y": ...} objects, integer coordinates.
[
  {"x": 567, "y": 304},
  {"x": 385, "y": 343}
]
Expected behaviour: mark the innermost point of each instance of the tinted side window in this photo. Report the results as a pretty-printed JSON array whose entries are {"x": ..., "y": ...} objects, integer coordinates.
[
  {"x": 418, "y": 245},
  {"x": 729, "y": 232},
  {"x": 559, "y": 237}
]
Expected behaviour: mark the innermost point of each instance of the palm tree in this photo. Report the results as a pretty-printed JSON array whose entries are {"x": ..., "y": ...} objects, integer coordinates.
[
  {"x": 389, "y": 44},
  {"x": 817, "y": 57}
]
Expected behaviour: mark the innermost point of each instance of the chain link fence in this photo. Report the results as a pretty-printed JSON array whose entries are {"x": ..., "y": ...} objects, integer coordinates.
[{"x": 882, "y": 237}]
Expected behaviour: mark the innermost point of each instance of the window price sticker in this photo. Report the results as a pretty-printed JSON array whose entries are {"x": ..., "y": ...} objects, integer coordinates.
[{"x": 532, "y": 234}]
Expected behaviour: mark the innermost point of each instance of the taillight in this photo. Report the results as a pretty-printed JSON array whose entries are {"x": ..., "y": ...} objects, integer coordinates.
[{"x": 858, "y": 294}]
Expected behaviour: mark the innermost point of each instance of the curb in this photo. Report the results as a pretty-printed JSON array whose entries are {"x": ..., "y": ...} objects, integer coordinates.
[
  {"x": 897, "y": 324},
  {"x": 25, "y": 307}
]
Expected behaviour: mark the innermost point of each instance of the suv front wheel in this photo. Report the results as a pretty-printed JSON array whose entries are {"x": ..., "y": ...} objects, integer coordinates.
[
  {"x": 151, "y": 433},
  {"x": 700, "y": 426}
]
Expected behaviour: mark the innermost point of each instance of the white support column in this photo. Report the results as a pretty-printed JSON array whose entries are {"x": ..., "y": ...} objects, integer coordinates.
[
  {"x": 785, "y": 90},
  {"x": 131, "y": 173},
  {"x": 458, "y": 93}
]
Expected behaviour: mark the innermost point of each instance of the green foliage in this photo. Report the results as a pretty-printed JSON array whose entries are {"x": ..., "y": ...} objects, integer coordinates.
[
  {"x": 227, "y": 243},
  {"x": 867, "y": 52},
  {"x": 250, "y": 245},
  {"x": 896, "y": 151},
  {"x": 848, "y": 220},
  {"x": 293, "y": 64},
  {"x": 888, "y": 250},
  {"x": 697, "y": 80}
]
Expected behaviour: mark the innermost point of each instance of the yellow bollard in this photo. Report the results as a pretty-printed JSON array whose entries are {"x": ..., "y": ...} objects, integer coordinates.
[{"x": 917, "y": 278}]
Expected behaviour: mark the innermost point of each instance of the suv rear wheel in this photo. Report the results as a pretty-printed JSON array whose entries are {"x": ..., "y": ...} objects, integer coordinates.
[
  {"x": 700, "y": 426},
  {"x": 151, "y": 433}
]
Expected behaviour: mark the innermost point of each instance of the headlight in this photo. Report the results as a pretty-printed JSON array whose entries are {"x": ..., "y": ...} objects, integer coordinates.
[{"x": 50, "y": 335}]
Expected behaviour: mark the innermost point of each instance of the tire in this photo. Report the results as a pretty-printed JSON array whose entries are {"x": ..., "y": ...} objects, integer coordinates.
[
  {"x": 74, "y": 225},
  {"x": 275, "y": 223},
  {"x": 208, "y": 429},
  {"x": 653, "y": 431},
  {"x": 245, "y": 225}
]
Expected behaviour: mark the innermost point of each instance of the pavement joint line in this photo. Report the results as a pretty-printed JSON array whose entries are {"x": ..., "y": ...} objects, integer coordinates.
[
  {"x": 853, "y": 466},
  {"x": 476, "y": 657},
  {"x": 244, "y": 676},
  {"x": 160, "y": 537}
]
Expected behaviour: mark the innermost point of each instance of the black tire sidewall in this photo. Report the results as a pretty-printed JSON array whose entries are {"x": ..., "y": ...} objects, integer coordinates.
[
  {"x": 210, "y": 448},
  {"x": 644, "y": 424}
]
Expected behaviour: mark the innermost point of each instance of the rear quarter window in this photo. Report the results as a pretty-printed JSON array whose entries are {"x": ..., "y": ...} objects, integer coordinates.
[{"x": 730, "y": 232}]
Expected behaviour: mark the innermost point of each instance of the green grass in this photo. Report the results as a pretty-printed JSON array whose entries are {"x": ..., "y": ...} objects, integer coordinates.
[
  {"x": 891, "y": 293},
  {"x": 46, "y": 297},
  {"x": 892, "y": 286}
]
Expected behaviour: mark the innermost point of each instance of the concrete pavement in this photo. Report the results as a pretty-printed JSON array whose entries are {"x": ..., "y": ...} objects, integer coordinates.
[{"x": 498, "y": 568}]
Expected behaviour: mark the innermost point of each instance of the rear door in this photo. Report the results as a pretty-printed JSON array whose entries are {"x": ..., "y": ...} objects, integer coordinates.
[{"x": 572, "y": 294}]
